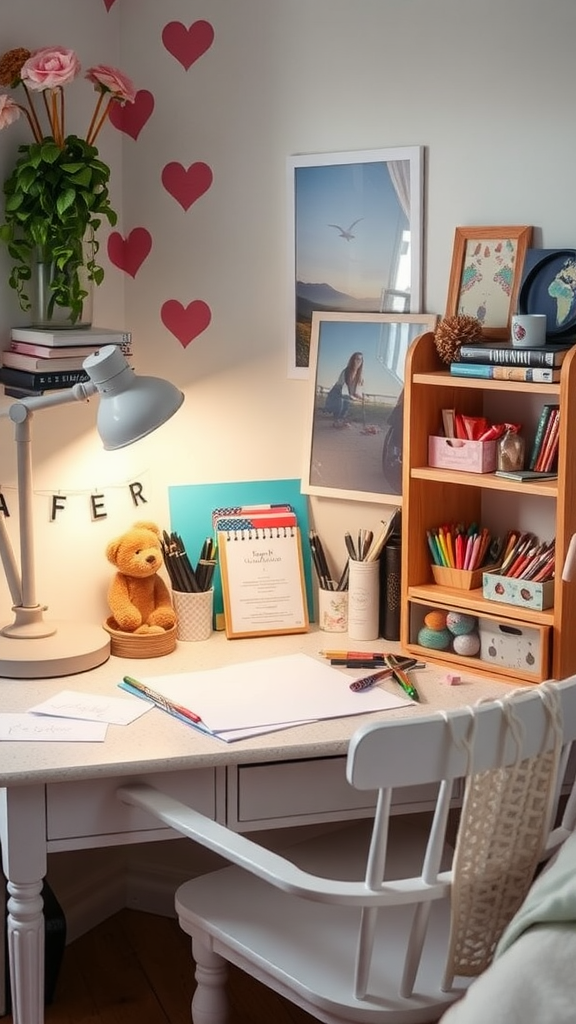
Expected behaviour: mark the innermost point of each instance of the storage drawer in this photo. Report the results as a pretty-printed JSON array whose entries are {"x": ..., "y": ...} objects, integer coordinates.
[
  {"x": 304, "y": 792},
  {"x": 80, "y": 809},
  {"x": 508, "y": 647}
]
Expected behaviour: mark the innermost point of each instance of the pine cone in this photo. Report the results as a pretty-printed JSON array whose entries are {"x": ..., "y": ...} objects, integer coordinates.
[{"x": 454, "y": 331}]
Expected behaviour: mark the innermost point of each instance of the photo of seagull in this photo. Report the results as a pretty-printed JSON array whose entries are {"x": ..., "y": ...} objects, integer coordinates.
[{"x": 346, "y": 232}]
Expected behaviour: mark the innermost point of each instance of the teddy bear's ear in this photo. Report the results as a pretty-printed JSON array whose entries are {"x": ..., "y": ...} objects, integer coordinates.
[
  {"x": 147, "y": 526},
  {"x": 112, "y": 550}
]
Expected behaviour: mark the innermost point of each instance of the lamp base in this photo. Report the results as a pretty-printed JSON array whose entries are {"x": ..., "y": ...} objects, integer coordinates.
[{"x": 74, "y": 647}]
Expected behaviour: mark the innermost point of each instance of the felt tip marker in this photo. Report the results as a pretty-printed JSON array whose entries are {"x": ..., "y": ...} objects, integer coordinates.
[
  {"x": 160, "y": 701},
  {"x": 367, "y": 682},
  {"x": 402, "y": 679}
]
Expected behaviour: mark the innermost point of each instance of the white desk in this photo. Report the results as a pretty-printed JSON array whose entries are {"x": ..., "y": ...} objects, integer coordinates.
[{"x": 61, "y": 796}]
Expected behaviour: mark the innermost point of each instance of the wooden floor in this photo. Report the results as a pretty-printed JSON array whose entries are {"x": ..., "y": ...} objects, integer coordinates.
[{"x": 136, "y": 968}]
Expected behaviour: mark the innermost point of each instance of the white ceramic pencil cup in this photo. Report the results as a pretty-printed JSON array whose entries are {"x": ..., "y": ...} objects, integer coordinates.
[
  {"x": 193, "y": 614},
  {"x": 364, "y": 600}
]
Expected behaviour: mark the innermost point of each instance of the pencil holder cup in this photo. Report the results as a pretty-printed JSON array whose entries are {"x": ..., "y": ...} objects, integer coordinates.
[
  {"x": 193, "y": 614},
  {"x": 333, "y": 610},
  {"x": 364, "y": 600}
]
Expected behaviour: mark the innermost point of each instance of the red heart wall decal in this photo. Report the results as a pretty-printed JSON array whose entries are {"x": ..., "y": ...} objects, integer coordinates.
[
  {"x": 187, "y": 44},
  {"x": 108, "y": 4},
  {"x": 130, "y": 118},
  {"x": 129, "y": 254},
  {"x": 186, "y": 323},
  {"x": 187, "y": 185}
]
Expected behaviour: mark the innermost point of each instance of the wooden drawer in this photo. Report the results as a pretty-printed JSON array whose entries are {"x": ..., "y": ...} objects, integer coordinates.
[
  {"x": 304, "y": 792},
  {"x": 82, "y": 809}
]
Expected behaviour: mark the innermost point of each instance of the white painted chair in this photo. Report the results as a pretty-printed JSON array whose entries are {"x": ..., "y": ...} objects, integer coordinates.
[{"x": 375, "y": 926}]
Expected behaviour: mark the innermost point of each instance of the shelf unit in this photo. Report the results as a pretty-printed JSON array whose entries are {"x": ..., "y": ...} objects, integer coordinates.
[{"x": 432, "y": 496}]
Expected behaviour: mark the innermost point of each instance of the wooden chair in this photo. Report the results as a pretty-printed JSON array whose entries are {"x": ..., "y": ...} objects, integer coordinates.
[{"x": 382, "y": 924}]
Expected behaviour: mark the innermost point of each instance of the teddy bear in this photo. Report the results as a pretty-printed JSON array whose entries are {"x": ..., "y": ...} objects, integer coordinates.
[{"x": 137, "y": 597}]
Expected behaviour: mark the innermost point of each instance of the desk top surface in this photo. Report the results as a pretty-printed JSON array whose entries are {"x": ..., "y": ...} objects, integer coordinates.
[{"x": 157, "y": 742}]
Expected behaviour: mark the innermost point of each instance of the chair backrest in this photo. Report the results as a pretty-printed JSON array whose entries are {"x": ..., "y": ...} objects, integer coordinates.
[
  {"x": 515, "y": 748},
  {"x": 512, "y": 754}
]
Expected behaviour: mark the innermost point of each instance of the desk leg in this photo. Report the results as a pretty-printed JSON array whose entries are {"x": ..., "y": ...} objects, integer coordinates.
[{"x": 23, "y": 839}]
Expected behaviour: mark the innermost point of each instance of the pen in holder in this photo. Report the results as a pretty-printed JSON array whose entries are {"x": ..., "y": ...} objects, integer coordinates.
[{"x": 364, "y": 599}]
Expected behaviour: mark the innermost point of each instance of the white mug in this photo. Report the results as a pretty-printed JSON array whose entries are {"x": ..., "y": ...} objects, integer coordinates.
[{"x": 529, "y": 330}]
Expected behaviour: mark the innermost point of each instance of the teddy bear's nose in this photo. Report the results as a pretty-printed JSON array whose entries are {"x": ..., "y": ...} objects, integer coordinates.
[{"x": 151, "y": 559}]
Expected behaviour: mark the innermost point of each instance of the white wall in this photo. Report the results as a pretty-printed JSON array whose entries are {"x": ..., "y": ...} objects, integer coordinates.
[{"x": 486, "y": 88}]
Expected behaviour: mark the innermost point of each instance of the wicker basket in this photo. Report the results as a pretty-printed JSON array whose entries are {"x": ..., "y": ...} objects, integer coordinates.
[{"x": 140, "y": 645}]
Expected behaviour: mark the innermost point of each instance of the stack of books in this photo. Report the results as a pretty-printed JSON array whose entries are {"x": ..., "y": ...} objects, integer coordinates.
[
  {"x": 537, "y": 365},
  {"x": 544, "y": 455},
  {"x": 40, "y": 360}
]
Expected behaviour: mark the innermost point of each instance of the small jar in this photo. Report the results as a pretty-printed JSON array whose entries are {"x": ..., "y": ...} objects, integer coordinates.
[{"x": 511, "y": 452}]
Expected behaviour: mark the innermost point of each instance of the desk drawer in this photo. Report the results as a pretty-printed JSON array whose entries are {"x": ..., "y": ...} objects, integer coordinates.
[
  {"x": 307, "y": 791},
  {"x": 81, "y": 809}
]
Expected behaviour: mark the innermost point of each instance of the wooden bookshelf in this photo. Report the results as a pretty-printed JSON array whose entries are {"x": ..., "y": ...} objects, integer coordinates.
[{"x": 432, "y": 496}]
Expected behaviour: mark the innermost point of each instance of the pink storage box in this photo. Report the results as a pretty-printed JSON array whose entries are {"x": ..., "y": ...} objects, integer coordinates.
[{"x": 469, "y": 456}]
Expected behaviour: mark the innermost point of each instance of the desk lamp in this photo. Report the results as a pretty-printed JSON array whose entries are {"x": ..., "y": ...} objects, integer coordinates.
[{"x": 130, "y": 408}]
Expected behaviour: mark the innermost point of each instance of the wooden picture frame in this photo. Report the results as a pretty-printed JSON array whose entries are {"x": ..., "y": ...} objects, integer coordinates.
[
  {"x": 355, "y": 237},
  {"x": 485, "y": 275},
  {"x": 354, "y": 449}
]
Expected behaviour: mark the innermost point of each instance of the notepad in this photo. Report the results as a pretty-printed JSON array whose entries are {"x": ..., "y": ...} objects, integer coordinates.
[
  {"x": 274, "y": 693},
  {"x": 262, "y": 574}
]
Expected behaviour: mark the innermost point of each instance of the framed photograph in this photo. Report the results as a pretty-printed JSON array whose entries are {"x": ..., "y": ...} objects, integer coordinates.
[
  {"x": 485, "y": 275},
  {"x": 355, "y": 238},
  {"x": 355, "y": 411}
]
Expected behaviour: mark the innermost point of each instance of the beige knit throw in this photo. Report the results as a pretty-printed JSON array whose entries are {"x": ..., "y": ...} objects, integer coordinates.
[{"x": 503, "y": 827}]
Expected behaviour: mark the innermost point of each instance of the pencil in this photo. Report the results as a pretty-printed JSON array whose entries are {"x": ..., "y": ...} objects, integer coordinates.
[{"x": 378, "y": 544}]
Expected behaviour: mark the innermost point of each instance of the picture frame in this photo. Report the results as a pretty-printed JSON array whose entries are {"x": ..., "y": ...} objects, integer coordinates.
[
  {"x": 485, "y": 275},
  {"x": 355, "y": 236},
  {"x": 353, "y": 446}
]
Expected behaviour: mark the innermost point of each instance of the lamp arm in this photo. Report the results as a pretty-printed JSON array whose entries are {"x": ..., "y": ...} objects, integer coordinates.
[{"x": 77, "y": 393}]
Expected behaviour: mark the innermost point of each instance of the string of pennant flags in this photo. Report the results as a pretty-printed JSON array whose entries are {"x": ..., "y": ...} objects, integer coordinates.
[{"x": 96, "y": 499}]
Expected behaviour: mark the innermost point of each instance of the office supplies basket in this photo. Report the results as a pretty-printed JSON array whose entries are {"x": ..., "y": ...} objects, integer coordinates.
[{"x": 140, "y": 645}]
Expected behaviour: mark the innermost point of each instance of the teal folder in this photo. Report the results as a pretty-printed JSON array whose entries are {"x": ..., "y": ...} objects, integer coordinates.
[{"x": 191, "y": 507}]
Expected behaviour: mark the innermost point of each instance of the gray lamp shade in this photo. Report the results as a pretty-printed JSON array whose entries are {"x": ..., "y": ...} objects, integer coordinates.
[{"x": 130, "y": 406}]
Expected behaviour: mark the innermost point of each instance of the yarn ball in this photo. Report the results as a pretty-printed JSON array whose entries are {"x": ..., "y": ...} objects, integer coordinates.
[
  {"x": 468, "y": 644},
  {"x": 435, "y": 639},
  {"x": 458, "y": 623},
  {"x": 454, "y": 331},
  {"x": 435, "y": 619}
]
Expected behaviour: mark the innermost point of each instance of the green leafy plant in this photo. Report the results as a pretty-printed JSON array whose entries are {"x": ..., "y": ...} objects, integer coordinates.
[
  {"x": 57, "y": 194},
  {"x": 55, "y": 201}
]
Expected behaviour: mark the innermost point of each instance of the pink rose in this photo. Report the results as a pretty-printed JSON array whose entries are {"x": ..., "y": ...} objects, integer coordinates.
[
  {"x": 111, "y": 80},
  {"x": 9, "y": 111},
  {"x": 49, "y": 68}
]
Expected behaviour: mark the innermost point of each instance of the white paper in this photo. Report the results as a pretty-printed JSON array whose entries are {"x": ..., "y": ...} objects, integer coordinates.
[
  {"x": 92, "y": 707},
  {"x": 272, "y": 692},
  {"x": 41, "y": 727}
]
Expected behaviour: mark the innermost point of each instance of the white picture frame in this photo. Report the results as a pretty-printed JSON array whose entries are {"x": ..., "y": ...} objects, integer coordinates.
[
  {"x": 355, "y": 238},
  {"x": 355, "y": 451}
]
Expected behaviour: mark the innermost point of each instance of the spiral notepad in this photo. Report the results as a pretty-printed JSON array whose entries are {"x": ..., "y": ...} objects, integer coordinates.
[{"x": 262, "y": 576}]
